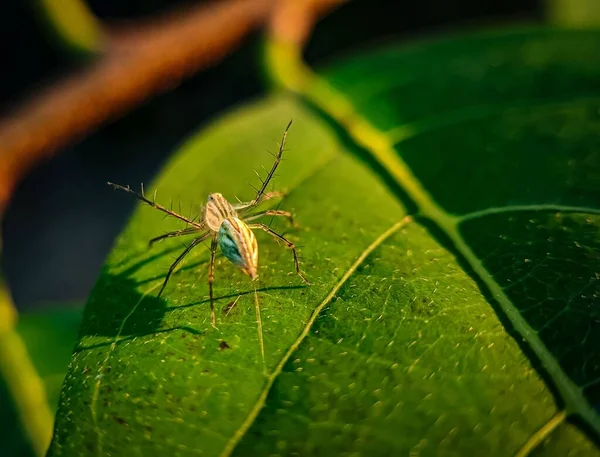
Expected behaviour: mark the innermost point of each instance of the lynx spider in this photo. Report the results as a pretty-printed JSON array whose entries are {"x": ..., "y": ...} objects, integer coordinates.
[{"x": 227, "y": 226}]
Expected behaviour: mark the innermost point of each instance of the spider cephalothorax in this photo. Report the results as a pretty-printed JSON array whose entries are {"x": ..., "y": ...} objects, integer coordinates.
[{"x": 227, "y": 226}]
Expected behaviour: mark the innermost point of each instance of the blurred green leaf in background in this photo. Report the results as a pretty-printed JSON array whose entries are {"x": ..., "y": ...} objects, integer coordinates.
[
  {"x": 573, "y": 13},
  {"x": 40, "y": 347}
]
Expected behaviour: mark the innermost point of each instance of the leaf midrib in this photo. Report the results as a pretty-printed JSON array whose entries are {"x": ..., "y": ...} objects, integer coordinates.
[{"x": 283, "y": 61}]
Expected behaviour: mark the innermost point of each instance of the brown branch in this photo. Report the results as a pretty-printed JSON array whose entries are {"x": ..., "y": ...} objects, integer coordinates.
[
  {"x": 294, "y": 20},
  {"x": 138, "y": 62}
]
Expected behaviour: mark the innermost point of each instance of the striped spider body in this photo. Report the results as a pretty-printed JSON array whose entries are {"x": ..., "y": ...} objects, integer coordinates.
[
  {"x": 236, "y": 240},
  {"x": 228, "y": 227}
]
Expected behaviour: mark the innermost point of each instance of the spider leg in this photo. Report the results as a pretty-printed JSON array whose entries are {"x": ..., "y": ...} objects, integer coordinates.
[
  {"x": 261, "y": 191},
  {"x": 242, "y": 206},
  {"x": 185, "y": 231},
  {"x": 289, "y": 244},
  {"x": 270, "y": 212},
  {"x": 155, "y": 205},
  {"x": 187, "y": 250},
  {"x": 211, "y": 279},
  {"x": 231, "y": 305}
]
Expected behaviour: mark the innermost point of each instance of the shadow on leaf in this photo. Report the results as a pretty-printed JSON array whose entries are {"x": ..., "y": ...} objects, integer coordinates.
[{"x": 118, "y": 310}]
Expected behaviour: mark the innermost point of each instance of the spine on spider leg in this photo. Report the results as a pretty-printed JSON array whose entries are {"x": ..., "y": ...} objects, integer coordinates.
[
  {"x": 265, "y": 182},
  {"x": 155, "y": 205}
]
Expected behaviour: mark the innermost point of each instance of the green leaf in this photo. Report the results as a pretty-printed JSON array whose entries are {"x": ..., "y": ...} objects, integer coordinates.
[
  {"x": 468, "y": 327},
  {"x": 73, "y": 25},
  {"x": 48, "y": 339},
  {"x": 13, "y": 437}
]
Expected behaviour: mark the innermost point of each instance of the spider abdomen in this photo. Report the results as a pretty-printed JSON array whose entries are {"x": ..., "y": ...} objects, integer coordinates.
[{"x": 239, "y": 246}]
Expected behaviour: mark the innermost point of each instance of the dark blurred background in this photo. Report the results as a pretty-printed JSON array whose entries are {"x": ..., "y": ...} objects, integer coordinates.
[{"x": 63, "y": 218}]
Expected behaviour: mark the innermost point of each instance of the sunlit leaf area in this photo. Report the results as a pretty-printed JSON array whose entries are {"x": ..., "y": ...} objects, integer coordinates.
[{"x": 439, "y": 182}]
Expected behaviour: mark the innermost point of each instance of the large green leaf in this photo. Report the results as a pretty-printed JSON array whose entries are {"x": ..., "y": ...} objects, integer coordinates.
[{"x": 470, "y": 329}]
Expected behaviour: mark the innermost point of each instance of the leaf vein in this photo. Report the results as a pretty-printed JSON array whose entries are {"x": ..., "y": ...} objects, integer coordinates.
[
  {"x": 238, "y": 435},
  {"x": 457, "y": 117},
  {"x": 317, "y": 92},
  {"x": 523, "y": 208},
  {"x": 112, "y": 347}
]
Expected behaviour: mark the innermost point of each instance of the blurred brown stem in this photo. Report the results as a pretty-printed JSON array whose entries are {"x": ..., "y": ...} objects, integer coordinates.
[{"x": 138, "y": 62}]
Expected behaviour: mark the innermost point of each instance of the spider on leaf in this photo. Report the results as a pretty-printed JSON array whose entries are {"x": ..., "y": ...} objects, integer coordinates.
[{"x": 227, "y": 225}]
